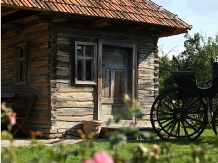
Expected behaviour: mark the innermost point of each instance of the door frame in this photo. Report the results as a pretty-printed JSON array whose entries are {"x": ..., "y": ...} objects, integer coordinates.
[{"x": 132, "y": 46}]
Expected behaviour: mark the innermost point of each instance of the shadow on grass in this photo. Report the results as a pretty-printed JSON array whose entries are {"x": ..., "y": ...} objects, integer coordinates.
[{"x": 207, "y": 138}]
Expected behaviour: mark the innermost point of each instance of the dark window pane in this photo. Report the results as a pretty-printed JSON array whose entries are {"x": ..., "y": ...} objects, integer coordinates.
[
  {"x": 89, "y": 50},
  {"x": 89, "y": 70},
  {"x": 21, "y": 71},
  {"x": 79, "y": 50},
  {"x": 21, "y": 52},
  {"x": 79, "y": 70}
]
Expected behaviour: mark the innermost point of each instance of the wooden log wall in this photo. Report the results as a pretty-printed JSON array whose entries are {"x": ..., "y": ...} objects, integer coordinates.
[
  {"x": 148, "y": 88},
  {"x": 70, "y": 104},
  {"x": 61, "y": 105},
  {"x": 37, "y": 38}
]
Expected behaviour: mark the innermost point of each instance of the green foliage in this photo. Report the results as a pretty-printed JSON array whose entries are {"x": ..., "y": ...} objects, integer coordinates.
[
  {"x": 166, "y": 71},
  {"x": 199, "y": 51},
  {"x": 197, "y": 56}
]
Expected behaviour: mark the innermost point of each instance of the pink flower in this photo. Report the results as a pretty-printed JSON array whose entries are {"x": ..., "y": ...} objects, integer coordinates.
[
  {"x": 102, "y": 157},
  {"x": 12, "y": 119}
]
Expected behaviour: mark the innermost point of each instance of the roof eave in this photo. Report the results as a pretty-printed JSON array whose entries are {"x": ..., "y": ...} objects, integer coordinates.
[{"x": 177, "y": 31}]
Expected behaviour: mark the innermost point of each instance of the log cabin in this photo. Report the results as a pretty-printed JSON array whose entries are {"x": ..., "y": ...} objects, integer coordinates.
[{"x": 79, "y": 57}]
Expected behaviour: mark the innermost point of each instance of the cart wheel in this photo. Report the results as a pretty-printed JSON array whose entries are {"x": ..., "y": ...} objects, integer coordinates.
[
  {"x": 178, "y": 113},
  {"x": 215, "y": 121}
]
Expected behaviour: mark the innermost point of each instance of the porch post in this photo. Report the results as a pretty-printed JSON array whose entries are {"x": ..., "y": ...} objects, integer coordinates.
[{"x": 98, "y": 109}]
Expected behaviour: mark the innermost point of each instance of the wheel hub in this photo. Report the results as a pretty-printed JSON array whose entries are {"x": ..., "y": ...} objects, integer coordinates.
[{"x": 178, "y": 115}]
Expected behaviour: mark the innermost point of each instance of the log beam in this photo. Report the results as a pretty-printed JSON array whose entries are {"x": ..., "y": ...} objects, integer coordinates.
[
  {"x": 6, "y": 11},
  {"x": 99, "y": 23},
  {"x": 59, "y": 18}
]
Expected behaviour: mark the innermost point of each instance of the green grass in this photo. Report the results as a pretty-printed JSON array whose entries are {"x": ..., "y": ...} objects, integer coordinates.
[{"x": 178, "y": 147}]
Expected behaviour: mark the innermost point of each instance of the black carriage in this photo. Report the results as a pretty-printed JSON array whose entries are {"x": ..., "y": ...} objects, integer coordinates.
[{"x": 184, "y": 112}]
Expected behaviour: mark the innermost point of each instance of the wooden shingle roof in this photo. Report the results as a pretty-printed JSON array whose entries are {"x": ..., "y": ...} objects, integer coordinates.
[{"x": 144, "y": 11}]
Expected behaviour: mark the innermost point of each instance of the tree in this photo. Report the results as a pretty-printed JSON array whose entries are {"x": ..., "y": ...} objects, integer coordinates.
[
  {"x": 166, "y": 71},
  {"x": 199, "y": 51},
  {"x": 197, "y": 56}
]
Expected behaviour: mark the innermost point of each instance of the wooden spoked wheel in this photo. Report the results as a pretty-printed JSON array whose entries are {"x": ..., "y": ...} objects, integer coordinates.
[
  {"x": 215, "y": 121},
  {"x": 178, "y": 113}
]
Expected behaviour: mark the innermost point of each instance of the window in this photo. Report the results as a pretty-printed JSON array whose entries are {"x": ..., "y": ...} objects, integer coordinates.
[
  {"x": 20, "y": 64},
  {"x": 85, "y": 63}
]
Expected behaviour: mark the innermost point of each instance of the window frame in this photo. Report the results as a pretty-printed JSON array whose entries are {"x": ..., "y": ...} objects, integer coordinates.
[
  {"x": 84, "y": 58},
  {"x": 17, "y": 60}
]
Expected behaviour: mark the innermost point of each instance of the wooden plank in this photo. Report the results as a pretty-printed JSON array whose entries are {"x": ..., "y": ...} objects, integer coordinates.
[
  {"x": 145, "y": 93},
  {"x": 9, "y": 95},
  {"x": 40, "y": 117},
  {"x": 63, "y": 58},
  {"x": 106, "y": 87},
  {"x": 35, "y": 126},
  {"x": 63, "y": 69},
  {"x": 7, "y": 82},
  {"x": 61, "y": 82},
  {"x": 74, "y": 111},
  {"x": 98, "y": 112},
  {"x": 39, "y": 79},
  {"x": 112, "y": 110},
  {"x": 146, "y": 76},
  {"x": 63, "y": 64},
  {"x": 119, "y": 88},
  {"x": 146, "y": 105},
  {"x": 39, "y": 87},
  {"x": 39, "y": 103},
  {"x": 106, "y": 118},
  {"x": 9, "y": 35},
  {"x": 111, "y": 100},
  {"x": 75, "y": 104},
  {"x": 67, "y": 88},
  {"x": 146, "y": 65},
  {"x": 39, "y": 62},
  {"x": 38, "y": 71},
  {"x": 64, "y": 41},
  {"x": 74, "y": 118},
  {"x": 75, "y": 96},
  {"x": 41, "y": 37},
  {"x": 62, "y": 53},
  {"x": 6, "y": 78},
  {"x": 39, "y": 52},
  {"x": 143, "y": 99},
  {"x": 7, "y": 64},
  {"x": 150, "y": 84},
  {"x": 62, "y": 124},
  {"x": 36, "y": 27},
  {"x": 146, "y": 80}
]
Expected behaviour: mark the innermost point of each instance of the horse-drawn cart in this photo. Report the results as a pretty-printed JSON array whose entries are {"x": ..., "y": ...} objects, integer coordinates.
[{"x": 184, "y": 112}]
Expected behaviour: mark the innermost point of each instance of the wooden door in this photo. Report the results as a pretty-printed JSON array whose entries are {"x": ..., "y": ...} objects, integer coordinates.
[{"x": 114, "y": 81}]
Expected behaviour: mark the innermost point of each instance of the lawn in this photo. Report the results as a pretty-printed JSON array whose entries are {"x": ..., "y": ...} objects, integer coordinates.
[{"x": 43, "y": 154}]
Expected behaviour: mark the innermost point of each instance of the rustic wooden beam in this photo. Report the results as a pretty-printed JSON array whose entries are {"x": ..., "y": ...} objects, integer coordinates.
[
  {"x": 59, "y": 18},
  {"x": 136, "y": 28},
  {"x": 17, "y": 16},
  {"x": 7, "y": 11},
  {"x": 44, "y": 19},
  {"x": 99, "y": 23}
]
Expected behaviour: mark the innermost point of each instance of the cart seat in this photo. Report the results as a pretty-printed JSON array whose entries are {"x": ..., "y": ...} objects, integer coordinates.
[
  {"x": 187, "y": 74},
  {"x": 215, "y": 69}
]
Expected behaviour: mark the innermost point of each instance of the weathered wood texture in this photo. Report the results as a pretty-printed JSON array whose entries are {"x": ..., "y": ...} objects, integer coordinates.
[
  {"x": 61, "y": 105},
  {"x": 72, "y": 103},
  {"x": 37, "y": 39}
]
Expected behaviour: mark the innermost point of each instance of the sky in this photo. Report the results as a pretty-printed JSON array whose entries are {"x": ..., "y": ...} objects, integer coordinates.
[{"x": 201, "y": 14}]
